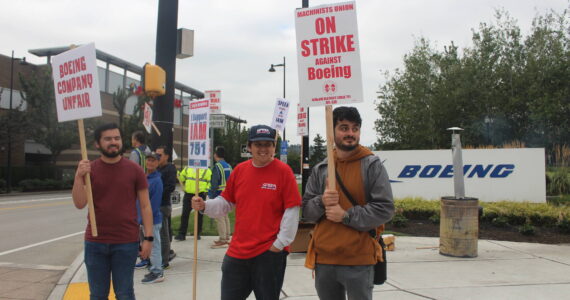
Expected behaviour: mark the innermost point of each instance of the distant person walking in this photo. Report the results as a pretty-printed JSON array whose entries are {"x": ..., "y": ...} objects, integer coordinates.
[
  {"x": 220, "y": 174},
  {"x": 116, "y": 184},
  {"x": 264, "y": 193},
  {"x": 342, "y": 251}
]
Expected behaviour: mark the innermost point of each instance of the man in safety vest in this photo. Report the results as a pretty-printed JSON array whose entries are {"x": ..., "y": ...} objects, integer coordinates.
[
  {"x": 220, "y": 174},
  {"x": 188, "y": 179},
  {"x": 139, "y": 149}
]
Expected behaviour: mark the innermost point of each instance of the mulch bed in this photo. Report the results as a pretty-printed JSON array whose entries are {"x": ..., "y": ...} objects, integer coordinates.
[{"x": 488, "y": 232}]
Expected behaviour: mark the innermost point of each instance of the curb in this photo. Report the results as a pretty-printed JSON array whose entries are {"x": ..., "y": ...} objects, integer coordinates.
[{"x": 59, "y": 290}]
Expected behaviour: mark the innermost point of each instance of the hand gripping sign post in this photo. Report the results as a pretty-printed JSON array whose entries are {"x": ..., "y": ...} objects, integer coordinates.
[
  {"x": 77, "y": 97},
  {"x": 147, "y": 120},
  {"x": 328, "y": 54},
  {"x": 198, "y": 157}
]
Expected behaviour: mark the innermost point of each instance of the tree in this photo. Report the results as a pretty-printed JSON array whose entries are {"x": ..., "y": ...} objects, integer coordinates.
[
  {"x": 37, "y": 91},
  {"x": 129, "y": 122},
  {"x": 505, "y": 87},
  {"x": 294, "y": 158},
  {"x": 319, "y": 151}
]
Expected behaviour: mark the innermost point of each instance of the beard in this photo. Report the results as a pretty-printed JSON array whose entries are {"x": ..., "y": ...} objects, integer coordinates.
[
  {"x": 111, "y": 154},
  {"x": 347, "y": 148}
]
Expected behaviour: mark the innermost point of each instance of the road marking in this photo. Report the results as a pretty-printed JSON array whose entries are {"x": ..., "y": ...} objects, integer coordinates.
[
  {"x": 80, "y": 290},
  {"x": 37, "y": 205},
  {"x": 35, "y": 267},
  {"x": 31, "y": 201},
  {"x": 41, "y": 243}
]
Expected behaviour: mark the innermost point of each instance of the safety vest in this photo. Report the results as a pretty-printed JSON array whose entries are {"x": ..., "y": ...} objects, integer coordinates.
[
  {"x": 142, "y": 158},
  {"x": 225, "y": 170},
  {"x": 188, "y": 177}
]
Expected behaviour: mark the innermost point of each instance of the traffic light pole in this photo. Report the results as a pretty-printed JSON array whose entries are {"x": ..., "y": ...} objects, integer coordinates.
[{"x": 163, "y": 106}]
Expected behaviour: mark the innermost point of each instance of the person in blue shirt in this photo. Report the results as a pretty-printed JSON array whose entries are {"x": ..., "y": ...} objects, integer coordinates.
[{"x": 155, "y": 188}]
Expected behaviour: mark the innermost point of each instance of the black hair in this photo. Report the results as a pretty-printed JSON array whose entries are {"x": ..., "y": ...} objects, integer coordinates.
[
  {"x": 99, "y": 130},
  {"x": 350, "y": 114},
  {"x": 139, "y": 136},
  {"x": 166, "y": 150},
  {"x": 221, "y": 151}
]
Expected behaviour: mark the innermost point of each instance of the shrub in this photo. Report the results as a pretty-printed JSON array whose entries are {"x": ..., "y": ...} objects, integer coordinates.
[
  {"x": 559, "y": 183},
  {"x": 527, "y": 229},
  {"x": 501, "y": 221},
  {"x": 29, "y": 185},
  {"x": 399, "y": 220},
  {"x": 417, "y": 208},
  {"x": 435, "y": 219},
  {"x": 563, "y": 226}
]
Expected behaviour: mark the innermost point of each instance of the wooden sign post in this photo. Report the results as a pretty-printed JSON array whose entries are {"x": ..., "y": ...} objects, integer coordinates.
[
  {"x": 77, "y": 97},
  {"x": 198, "y": 158}
]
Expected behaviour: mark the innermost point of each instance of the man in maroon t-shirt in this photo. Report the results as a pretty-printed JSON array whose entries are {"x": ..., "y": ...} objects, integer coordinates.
[
  {"x": 264, "y": 192},
  {"x": 116, "y": 184}
]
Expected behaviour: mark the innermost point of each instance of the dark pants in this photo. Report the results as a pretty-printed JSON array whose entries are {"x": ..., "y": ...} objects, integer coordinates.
[
  {"x": 186, "y": 209},
  {"x": 106, "y": 261},
  {"x": 165, "y": 233},
  {"x": 262, "y": 274},
  {"x": 335, "y": 282}
]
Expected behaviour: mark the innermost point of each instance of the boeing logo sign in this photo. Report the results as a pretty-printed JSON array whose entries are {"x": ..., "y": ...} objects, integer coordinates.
[
  {"x": 469, "y": 171},
  {"x": 490, "y": 174}
]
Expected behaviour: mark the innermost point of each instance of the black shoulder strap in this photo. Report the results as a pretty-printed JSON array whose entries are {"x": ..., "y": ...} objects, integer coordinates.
[
  {"x": 344, "y": 190},
  {"x": 372, "y": 232}
]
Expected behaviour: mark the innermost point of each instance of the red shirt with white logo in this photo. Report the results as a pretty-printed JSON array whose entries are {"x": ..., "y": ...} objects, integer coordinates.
[{"x": 261, "y": 196}]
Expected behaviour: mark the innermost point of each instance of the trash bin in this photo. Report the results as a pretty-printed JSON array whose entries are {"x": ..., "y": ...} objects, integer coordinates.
[{"x": 459, "y": 227}]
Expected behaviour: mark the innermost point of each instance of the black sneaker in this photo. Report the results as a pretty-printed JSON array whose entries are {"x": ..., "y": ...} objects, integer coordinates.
[
  {"x": 172, "y": 255},
  {"x": 153, "y": 278},
  {"x": 180, "y": 237},
  {"x": 166, "y": 266}
]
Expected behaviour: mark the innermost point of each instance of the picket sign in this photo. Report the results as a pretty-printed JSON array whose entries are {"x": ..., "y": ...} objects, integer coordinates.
[
  {"x": 328, "y": 56},
  {"x": 198, "y": 157},
  {"x": 147, "y": 120},
  {"x": 77, "y": 97}
]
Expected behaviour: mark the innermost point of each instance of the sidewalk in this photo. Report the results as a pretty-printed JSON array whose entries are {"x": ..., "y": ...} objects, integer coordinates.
[{"x": 416, "y": 270}]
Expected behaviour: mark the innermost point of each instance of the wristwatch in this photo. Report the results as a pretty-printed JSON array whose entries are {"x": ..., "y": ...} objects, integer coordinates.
[
  {"x": 149, "y": 238},
  {"x": 346, "y": 218}
]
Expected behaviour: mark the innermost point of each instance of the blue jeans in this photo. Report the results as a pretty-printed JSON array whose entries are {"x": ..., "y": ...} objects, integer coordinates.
[
  {"x": 103, "y": 260},
  {"x": 263, "y": 274},
  {"x": 156, "y": 253}
]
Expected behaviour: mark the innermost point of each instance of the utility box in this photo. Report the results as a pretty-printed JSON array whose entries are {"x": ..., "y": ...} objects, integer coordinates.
[
  {"x": 154, "y": 80},
  {"x": 185, "y": 43}
]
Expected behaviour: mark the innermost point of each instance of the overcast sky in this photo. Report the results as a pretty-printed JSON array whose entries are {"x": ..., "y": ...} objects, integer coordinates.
[{"x": 237, "y": 41}]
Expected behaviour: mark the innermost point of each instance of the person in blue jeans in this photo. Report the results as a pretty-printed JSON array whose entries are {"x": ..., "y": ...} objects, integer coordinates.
[
  {"x": 155, "y": 191},
  {"x": 116, "y": 184}
]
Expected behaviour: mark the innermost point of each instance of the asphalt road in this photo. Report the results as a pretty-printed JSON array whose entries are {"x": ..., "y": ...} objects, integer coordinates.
[
  {"x": 41, "y": 234},
  {"x": 40, "y": 229}
]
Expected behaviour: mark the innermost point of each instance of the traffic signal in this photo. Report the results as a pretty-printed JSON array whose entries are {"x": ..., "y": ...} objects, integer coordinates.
[{"x": 153, "y": 80}]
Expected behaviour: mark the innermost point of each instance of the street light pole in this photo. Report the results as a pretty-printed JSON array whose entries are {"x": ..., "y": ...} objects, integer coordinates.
[
  {"x": 272, "y": 69},
  {"x": 9, "y": 156}
]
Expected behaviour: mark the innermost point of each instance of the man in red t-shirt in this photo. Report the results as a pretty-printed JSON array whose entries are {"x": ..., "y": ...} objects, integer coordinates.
[
  {"x": 264, "y": 192},
  {"x": 116, "y": 183}
]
